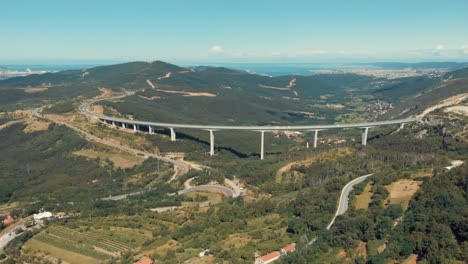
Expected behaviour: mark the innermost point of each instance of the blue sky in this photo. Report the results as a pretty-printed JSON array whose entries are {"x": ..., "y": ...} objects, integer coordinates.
[{"x": 233, "y": 31}]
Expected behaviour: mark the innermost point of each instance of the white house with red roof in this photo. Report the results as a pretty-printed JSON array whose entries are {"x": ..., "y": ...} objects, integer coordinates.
[
  {"x": 268, "y": 258},
  {"x": 272, "y": 256}
]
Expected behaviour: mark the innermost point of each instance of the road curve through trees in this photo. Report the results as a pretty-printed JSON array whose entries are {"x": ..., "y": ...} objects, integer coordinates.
[
  {"x": 184, "y": 167},
  {"x": 344, "y": 197}
]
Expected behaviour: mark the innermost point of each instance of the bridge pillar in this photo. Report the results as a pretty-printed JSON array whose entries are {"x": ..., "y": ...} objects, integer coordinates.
[
  {"x": 134, "y": 127},
  {"x": 123, "y": 125},
  {"x": 173, "y": 134},
  {"x": 150, "y": 129},
  {"x": 262, "y": 145},
  {"x": 315, "y": 138},
  {"x": 113, "y": 123},
  {"x": 211, "y": 142},
  {"x": 402, "y": 126},
  {"x": 365, "y": 131}
]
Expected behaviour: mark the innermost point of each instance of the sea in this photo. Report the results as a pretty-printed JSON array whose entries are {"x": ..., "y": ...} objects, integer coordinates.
[
  {"x": 281, "y": 69},
  {"x": 269, "y": 69}
]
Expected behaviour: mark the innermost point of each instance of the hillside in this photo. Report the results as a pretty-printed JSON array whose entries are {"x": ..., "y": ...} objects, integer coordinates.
[
  {"x": 166, "y": 92},
  {"x": 451, "y": 84},
  {"x": 289, "y": 197}
]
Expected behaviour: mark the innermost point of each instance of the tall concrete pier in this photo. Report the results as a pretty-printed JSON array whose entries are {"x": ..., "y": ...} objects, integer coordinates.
[
  {"x": 365, "y": 131},
  {"x": 211, "y": 142},
  {"x": 173, "y": 134},
  {"x": 135, "y": 124},
  {"x": 315, "y": 138},
  {"x": 262, "y": 145}
]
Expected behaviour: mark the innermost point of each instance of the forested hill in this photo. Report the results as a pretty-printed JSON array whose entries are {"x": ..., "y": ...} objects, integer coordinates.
[{"x": 167, "y": 92}]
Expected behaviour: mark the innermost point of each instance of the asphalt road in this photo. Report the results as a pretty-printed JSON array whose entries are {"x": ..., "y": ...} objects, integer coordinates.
[
  {"x": 180, "y": 164},
  {"x": 344, "y": 197},
  {"x": 220, "y": 188},
  {"x": 6, "y": 238}
]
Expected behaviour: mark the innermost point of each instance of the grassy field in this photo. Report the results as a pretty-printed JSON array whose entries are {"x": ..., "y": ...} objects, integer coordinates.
[
  {"x": 66, "y": 255},
  {"x": 211, "y": 198},
  {"x": 402, "y": 191},
  {"x": 120, "y": 159},
  {"x": 363, "y": 199},
  {"x": 6, "y": 208}
]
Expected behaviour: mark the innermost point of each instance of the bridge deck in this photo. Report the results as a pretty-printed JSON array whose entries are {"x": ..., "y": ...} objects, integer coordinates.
[{"x": 84, "y": 109}]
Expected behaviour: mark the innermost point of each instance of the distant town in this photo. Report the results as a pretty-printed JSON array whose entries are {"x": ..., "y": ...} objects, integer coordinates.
[{"x": 388, "y": 73}]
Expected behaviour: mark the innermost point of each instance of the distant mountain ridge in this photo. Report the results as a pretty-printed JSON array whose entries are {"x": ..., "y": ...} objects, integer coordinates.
[{"x": 167, "y": 92}]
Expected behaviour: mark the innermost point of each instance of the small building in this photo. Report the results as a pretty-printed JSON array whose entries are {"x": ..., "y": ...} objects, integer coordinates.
[
  {"x": 8, "y": 220},
  {"x": 42, "y": 215},
  {"x": 268, "y": 258},
  {"x": 144, "y": 260},
  {"x": 288, "y": 249}
]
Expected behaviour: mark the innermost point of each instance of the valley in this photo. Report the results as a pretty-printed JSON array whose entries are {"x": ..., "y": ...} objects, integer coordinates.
[{"x": 167, "y": 190}]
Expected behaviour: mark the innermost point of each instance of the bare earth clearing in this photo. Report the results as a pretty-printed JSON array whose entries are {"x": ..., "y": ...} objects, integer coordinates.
[
  {"x": 287, "y": 88},
  {"x": 36, "y": 90},
  {"x": 402, "y": 191},
  {"x": 459, "y": 109},
  {"x": 412, "y": 259},
  {"x": 35, "y": 125},
  {"x": 447, "y": 102},
  {"x": 119, "y": 158},
  {"x": 361, "y": 250},
  {"x": 190, "y": 94}
]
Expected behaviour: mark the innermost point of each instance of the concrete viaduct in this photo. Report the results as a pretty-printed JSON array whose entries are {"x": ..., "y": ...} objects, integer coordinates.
[{"x": 136, "y": 126}]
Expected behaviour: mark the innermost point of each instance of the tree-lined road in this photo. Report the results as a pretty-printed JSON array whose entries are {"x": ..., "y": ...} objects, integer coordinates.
[{"x": 344, "y": 197}]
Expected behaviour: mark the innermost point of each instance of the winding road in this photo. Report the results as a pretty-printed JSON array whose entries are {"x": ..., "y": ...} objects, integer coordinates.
[
  {"x": 184, "y": 167},
  {"x": 344, "y": 197}
]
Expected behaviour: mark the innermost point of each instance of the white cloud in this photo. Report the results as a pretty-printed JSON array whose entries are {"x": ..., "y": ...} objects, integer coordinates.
[
  {"x": 464, "y": 49},
  {"x": 217, "y": 49},
  {"x": 438, "y": 50}
]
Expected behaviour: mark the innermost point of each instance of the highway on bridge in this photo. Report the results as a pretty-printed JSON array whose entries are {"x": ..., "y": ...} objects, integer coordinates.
[
  {"x": 85, "y": 109},
  {"x": 136, "y": 124}
]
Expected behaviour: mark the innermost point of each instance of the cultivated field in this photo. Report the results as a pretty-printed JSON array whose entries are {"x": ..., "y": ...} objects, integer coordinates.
[{"x": 79, "y": 246}]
